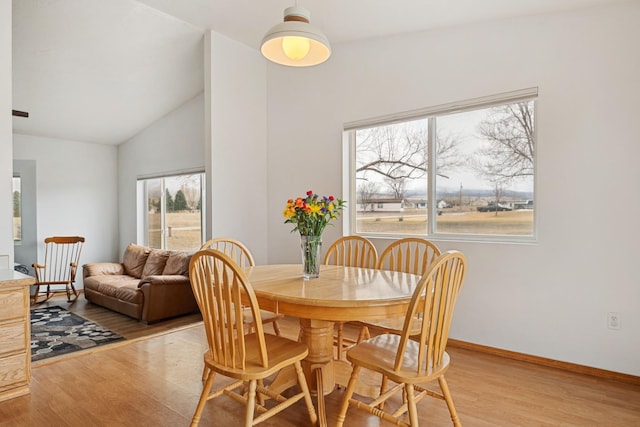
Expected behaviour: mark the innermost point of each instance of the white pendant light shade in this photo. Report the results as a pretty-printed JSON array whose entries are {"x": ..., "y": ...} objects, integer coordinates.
[{"x": 295, "y": 42}]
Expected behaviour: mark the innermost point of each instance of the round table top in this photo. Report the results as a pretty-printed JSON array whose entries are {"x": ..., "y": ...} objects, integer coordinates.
[{"x": 339, "y": 294}]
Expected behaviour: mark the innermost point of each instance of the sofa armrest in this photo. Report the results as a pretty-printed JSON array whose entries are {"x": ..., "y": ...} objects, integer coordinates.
[
  {"x": 102, "y": 269},
  {"x": 166, "y": 296}
]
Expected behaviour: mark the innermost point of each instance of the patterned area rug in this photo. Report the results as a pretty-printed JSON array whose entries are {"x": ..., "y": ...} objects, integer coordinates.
[{"x": 56, "y": 331}]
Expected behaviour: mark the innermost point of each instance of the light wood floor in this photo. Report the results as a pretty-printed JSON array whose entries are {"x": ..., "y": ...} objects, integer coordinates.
[
  {"x": 127, "y": 327},
  {"x": 156, "y": 382}
]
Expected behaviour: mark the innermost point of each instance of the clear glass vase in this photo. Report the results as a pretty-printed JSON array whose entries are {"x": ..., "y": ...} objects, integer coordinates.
[{"x": 310, "y": 250}]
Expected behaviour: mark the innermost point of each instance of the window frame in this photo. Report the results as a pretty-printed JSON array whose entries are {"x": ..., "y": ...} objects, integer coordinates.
[{"x": 430, "y": 114}]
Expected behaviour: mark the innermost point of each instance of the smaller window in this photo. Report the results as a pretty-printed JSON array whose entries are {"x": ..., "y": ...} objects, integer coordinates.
[
  {"x": 17, "y": 209},
  {"x": 173, "y": 217}
]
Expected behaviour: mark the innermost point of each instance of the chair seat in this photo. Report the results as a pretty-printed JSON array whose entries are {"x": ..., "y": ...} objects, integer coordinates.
[
  {"x": 379, "y": 354},
  {"x": 281, "y": 352},
  {"x": 393, "y": 325}
]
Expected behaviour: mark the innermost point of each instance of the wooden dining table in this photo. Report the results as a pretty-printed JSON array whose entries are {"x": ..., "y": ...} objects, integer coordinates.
[{"x": 338, "y": 294}]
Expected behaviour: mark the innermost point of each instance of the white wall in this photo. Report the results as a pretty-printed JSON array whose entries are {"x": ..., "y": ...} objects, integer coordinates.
[
  {"x": 173, "y": 143},
  {"x": 223, "y": 132},
  {"x": 76, "y": 193},
  {"x": 550, "y": 298},
  {"x": 6, "y": 165},
  {"x": 235, "y": 91}
]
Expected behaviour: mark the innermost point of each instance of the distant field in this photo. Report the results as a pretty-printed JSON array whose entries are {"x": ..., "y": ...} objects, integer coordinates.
[
  {"x": 518, "y": 222},
  {"x": 183, "y": 231},
  {"x": 185, "y": 226}
]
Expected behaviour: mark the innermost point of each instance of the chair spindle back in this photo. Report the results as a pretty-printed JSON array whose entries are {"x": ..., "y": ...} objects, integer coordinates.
[
  {"x": 433, "y": 301},
  {"x": 352, "y": 251},
  {"x": 235, "y": 249},
  {"x": 410, "y": 255}
]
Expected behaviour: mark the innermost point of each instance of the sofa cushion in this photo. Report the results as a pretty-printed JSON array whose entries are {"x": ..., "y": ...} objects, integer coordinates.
[
  {"x": 155, "y": 263},
  {"x": 124, "y": 288},
  {"x": 135, "y": 257},
  {"x": 177, "y": 263}
]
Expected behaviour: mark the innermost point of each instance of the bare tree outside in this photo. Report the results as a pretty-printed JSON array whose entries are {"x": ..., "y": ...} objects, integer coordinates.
[
  {"x": 509, "y": 154},
  {"x": 366, "y": 191},
  {"x": 499, "y": 191},
  {"x": 396, "y": 153},
  {"x": 448, "y": 155},
  {"x": 397, "y": 186}
]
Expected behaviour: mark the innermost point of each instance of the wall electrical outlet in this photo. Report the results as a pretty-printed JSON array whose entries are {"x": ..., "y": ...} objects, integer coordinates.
[{"x": 613, "y": 320}]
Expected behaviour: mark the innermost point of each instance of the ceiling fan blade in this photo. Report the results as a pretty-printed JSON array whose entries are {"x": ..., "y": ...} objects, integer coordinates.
[{"x": 18, "y": 113}]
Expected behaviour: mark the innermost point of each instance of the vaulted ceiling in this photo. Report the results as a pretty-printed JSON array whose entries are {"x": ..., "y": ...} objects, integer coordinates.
[{"x": 100, "y": 71}]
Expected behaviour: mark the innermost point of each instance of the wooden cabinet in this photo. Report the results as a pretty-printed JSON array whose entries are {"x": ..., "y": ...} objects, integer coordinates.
[{"x": 15, "y": 334}]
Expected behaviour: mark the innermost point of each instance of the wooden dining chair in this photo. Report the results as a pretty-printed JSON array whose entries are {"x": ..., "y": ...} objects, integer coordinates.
[
  {"x": 61, "y": 260},
  {"x": 412, "y": 255},
  {"x": 242, "y": 256},
  {"x": 219, "y": 285},
  {"x": 412, "y": 362},
  {"x": 350, "y": 251}
]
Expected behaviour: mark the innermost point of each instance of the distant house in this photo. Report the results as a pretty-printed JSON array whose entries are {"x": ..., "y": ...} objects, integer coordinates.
[
  {"x": 526, "y": 204},
  {"x": 382, "y": 205},
  {"x": 442, "y": 204},
  {"x": 420, "y": 203}
]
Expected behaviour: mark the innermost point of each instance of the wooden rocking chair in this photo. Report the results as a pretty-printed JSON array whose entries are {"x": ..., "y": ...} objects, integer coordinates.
[{"x": 61, "y": 260}]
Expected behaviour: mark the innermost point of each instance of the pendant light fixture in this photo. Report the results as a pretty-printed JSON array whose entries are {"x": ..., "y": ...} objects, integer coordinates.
[{"x": 295, "y": 42}]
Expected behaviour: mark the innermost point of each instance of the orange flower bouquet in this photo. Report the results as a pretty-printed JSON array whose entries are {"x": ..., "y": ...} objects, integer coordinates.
[{"x": 310, "y": 215}]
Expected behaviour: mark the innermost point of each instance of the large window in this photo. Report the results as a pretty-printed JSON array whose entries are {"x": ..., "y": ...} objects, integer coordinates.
[
  {"x": 465, "y": 169},
  {"x": 173, "y": 216}
]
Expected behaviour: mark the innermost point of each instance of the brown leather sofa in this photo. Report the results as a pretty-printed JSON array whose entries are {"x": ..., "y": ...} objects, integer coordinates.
[{"x": 149, "y": 285}]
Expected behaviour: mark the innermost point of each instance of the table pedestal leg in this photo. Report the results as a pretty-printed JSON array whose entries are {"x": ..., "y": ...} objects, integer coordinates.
[{"x": 318, "y": 365}]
